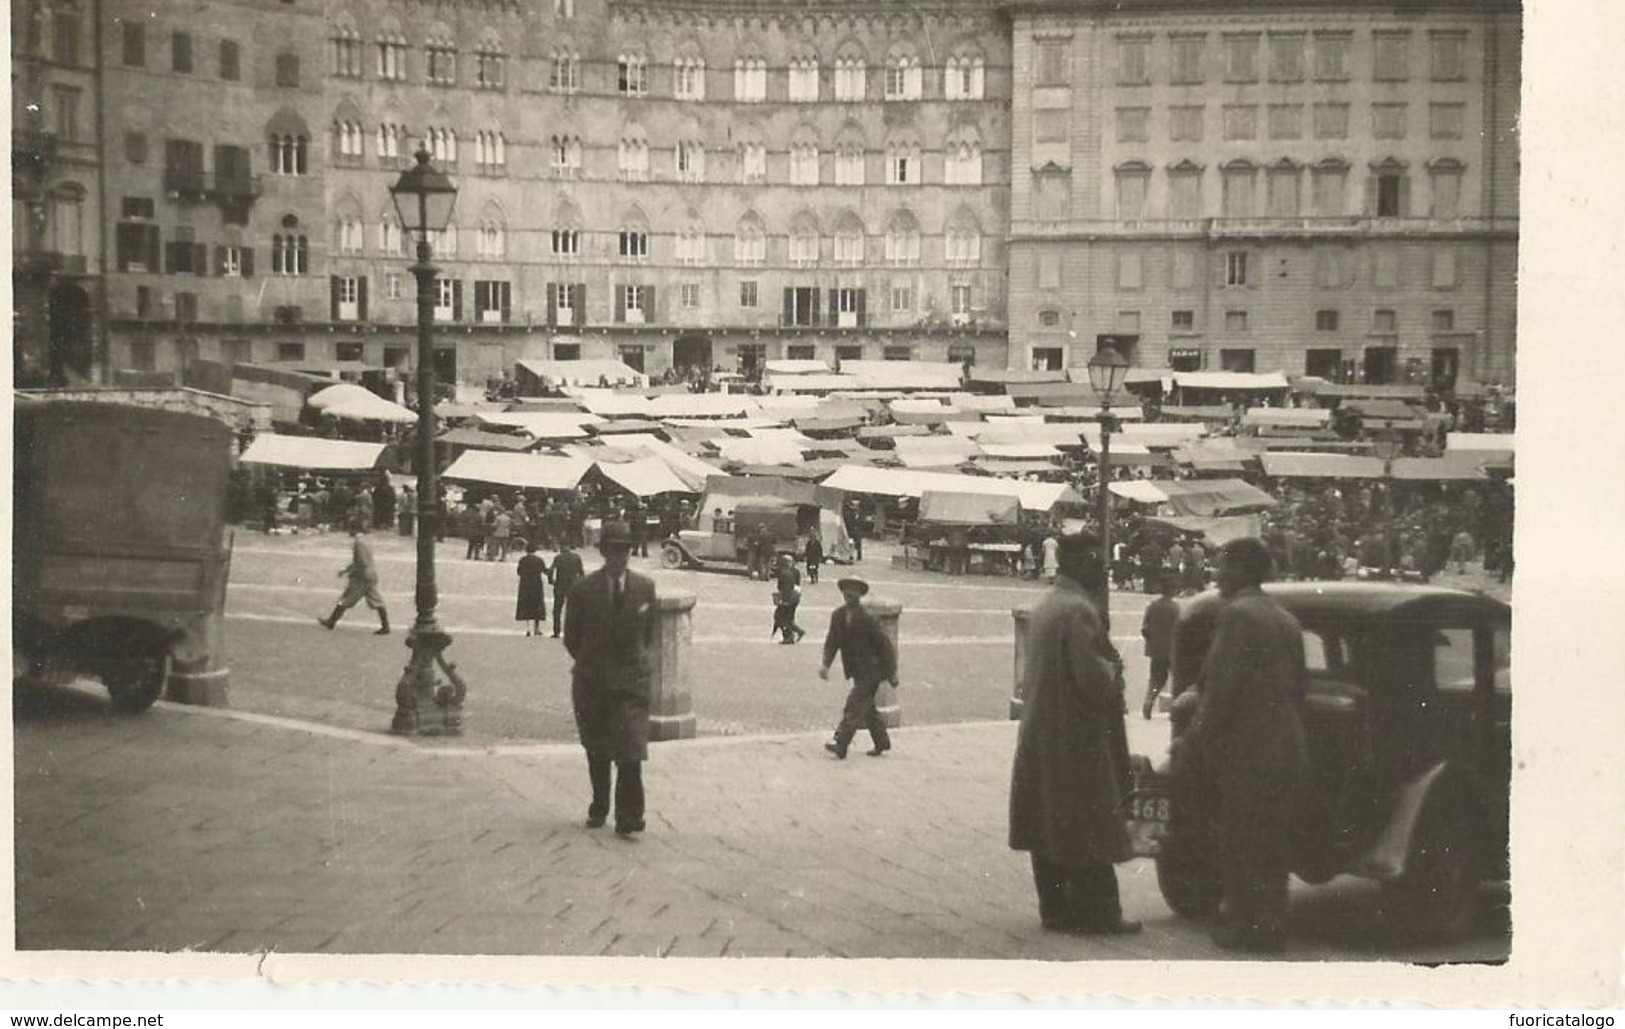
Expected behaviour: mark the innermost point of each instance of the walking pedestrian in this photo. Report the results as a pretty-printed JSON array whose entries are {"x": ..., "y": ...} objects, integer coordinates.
[
  {"x": 567, "y": 571},
  {"x": 814, "y": 555},
  {"x": 611, "y": 629},
  {"x": 1052, "y": 549},
  {"x": 501, "y": 535},
  {"x": 1066, "y": 785},
  {"x": 361, "y": 583},
  {"x": 531, "y": 604},
  {"x": 474, "y": 532},
  {"x": 1248, "y": 735},
  {"x": 786, "y": 598},
  {"x": 1157, "y": 629},
  {"x": 868, "y": 659}
]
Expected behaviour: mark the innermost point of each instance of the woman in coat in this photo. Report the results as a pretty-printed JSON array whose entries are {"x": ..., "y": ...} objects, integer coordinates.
[
  {"x": 1066, "y": 784},
  {"x": 531, "y": 605}
]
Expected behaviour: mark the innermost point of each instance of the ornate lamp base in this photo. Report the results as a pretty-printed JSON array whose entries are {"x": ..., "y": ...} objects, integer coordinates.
[{"x": 423, "y": 704}]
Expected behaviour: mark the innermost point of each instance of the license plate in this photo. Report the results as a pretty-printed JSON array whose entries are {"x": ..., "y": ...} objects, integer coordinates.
[{"x": 1147, "y": 820}]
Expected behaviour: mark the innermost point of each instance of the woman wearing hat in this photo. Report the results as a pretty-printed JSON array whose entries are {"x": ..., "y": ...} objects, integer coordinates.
[{"x": 868, "y": 659}]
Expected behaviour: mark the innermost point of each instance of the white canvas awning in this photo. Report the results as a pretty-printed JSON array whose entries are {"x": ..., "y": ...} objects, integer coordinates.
[
  {"x": 813, "y": 382},
  {"x": 558, "y": 374},
  {"x": 1288, "y": 417},
  {"x": 1152, "y": 434},
  {"x": 684, "y": 465},
  {"x": 542, "y": 424},
  {"x": 702, "y": 405},
  {"x": 1143, "y": 491},
  {"x": 312, "y": 452},
  {"x": 933, "y": 451},
  {"x": 522, "y": 471},
  {"x": 1058, "y": 435},
  {"x": 1034, "y": 496},
  {"x": 1019, "y": 451},
  {"x": 904, "y": 374},
  {"x": 1494, "y": 442},
  {"x": 796, "y": 366},
  {"x": 357, "y": 404},
  {"x": 1230, "y": 380},
  {"x": 644, "y": 477},
  {"x": 609, "y": 404},
  {"x": 762, "y": 450}
]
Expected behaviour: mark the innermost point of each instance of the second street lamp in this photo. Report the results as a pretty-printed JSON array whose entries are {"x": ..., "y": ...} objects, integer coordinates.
[
  {"x": 1107, "y": 370},
  {"x": 424, "y": 197},
  {"x": 1387, "y": 447}
]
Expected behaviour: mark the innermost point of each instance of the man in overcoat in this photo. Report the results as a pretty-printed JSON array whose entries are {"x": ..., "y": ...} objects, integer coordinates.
[
  {"x": 868, "y": 659},
  {"x": 1248, "y": 735},
  {"x": 567, "y": 571},
  {"x": 611, "y": 629},
  {"x": 1067, "y": 785}
]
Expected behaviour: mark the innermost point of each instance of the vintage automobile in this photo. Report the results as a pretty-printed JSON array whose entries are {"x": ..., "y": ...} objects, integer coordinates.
[
  {"x": 724, "y": 542},
  {"x": 1408, "y": 713}
]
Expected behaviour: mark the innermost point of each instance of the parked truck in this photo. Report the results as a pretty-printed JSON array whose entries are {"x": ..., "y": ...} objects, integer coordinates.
[{"x": 119, "y": 547}]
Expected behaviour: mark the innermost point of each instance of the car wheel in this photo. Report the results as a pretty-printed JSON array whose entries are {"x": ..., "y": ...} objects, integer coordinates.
[
  {"x": 1437, "y": 900},
  {"x": 1189, "y": 887},
  {"x": 671, "y": 558},
  {"x": 135, "y": 685}
]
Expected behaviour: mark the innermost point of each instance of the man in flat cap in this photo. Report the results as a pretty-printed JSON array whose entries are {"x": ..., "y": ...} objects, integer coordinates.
[
  {"x": 1067, "y": 784},
  {"x": 611, "y": 628},
  {"x": 868, "y": 659}
]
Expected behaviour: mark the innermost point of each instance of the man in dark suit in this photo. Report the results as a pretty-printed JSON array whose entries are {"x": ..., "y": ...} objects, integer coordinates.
[
  {"x": 611, "y": 629},
  {"x": 868, "y": 659},
  {"x": 1248, "y": 734},
  {"x": 567, "y": 571}
]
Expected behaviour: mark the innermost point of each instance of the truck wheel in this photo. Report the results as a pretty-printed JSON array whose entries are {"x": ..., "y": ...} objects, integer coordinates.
[
  {"x": 1437, "y": 900},
  {"x": 671, "y": 558},
  {"x": 135, "y": 685},
  {"x": 1190, "y": 888}
]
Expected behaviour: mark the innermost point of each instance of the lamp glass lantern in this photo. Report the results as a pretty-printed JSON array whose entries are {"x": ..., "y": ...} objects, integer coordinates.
[
  {"x": 1107, "y": 370},
  {"x": 424, "y": 197}
]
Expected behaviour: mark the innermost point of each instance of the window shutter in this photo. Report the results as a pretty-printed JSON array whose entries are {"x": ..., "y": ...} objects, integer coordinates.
[
  {"x": 1370, "y": 196},
  {"x": 200, "y": 259},
  {"x": 247, "y": 262},
  {"x": 1404, "y": 196},
  {"x": 833, "y": 314},
  {"x": 789, "y": 306},
  {"x": 220, "y": 260},
  {"x": 507, "y": 301},
  {"x": 862, "y": 307},
  {"x": 170, "y": 260},
  {"x": 578, "y": 293},
  {"x": 333, "y": 297},
  {"x": 457, "y": 300},
  {"x": 649, "y": 304},
  {"x": 814, "y": 307},
  {"x": 154, "y": 247},
  {"x": 620, "y": 303},
  {"x": 361, "y": 298},
  {"x": 553, "y": 304}
]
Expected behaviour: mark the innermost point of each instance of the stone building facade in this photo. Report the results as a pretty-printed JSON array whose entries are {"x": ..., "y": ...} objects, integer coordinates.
[{"x": 1302, "y": 187}]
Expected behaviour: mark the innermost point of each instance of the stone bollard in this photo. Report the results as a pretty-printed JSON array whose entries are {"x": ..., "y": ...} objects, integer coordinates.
[
  {"x": 1023, "y": 618},
  {"x": 196, "y": 675},
  {"x": 671, "y": 705},
  {"x": 887, "y": 612}
]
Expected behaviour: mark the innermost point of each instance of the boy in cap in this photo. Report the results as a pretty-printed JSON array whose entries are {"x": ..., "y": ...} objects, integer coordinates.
[{"x": 868, "y": 659}]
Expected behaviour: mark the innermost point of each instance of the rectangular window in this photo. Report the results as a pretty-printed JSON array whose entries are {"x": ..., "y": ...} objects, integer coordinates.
[
  {"x": 1131, "y": 195},
  {"x": 347, "y": 294},
  {"x": 749, "y": 296},
  {"x": 631, "y": 76},
  {"x": 1239, "y": 199},
  {"x": 567, "y": 307},
  {"x": 186, "y": 307},
  {"x": 66, "y": 102},
  {"x": 902, "y": 296},
  {"x": 1331, "y": 121},
  {"x": 1448, "y": 56},
  {"x": 1049, "y": 63},
  {"x": 1384, "y": 322},
  {"x": 1388, "y": 121},
  {"x": 848, "y": 308},
  {"x": 231, "y": 61},
  {"x": 1130, "y": 270},
  {"x": 1237, "y": 360},
  {"x": 1286, "y": 57},
  {"x": 1050, "y": 125},
  {"x": 1390, "y": 56},
  {"x": 1445, "y": 121},
  {"x": 1185, "y": 60},
  {"x": 1444, "y": 268},
  {"x": 392, "y": 285},
  {"x": 1385, "y": 268},
  {"x": 445, "y": 300},
  {"x": 634, "y": 300},
  {"x": 290, "y": 351},
  {"x": 801, "y": 306},
  {"x": 1444, "y": 320},
  {"x": 1390, "y": 195},
  {"x": 135, "y": 44},
  {"x": 1326, "y": 320},
  {"x": 1331, "y": 268},
  {"x": 1184, "y": 321},
  {"x": 688, "y": 294},
  {"x": 567, "y": 351},
  {"x": 1133, "y": 62},
  {"x": 1446, "y": 183},
  {"x": 180, "y": 53},
  {"x": 897, "y": 353},
  {"x": 634, "y": 243},
  {"x": 1235, "y": 321},
  {"x": 1235, "y": 268},
  {"x": 1331, "y": 57},
  {"x": 1186, "y": 200},
  {"x": 1049, "y": 271},
  {"x": 1241, "y": 58},
  {"x": 1132, "y": 124},
  {"x": 567, "y": 242},
  {"x": 350, "y": 352},
  {"x": 492, "y": 301},
  {"x": 231, "y": 261},
  {"x": 1185, "y": 124},
  {"x": 1286, "y": 121},
  {"x": 959, "y": 301},
  {"x": 1240, "y": 121},
  {"x": 1331, "y": 189},
  {"x": 1281, "y": 199},
  {"x": 287, "y": 70}
]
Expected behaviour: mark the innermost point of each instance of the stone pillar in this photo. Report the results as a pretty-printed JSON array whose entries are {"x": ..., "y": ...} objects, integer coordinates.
[
  {"x": 1023, "y": 617},
  {"x": 196, "y": 675},
  {"x": 887, "y": 612},
  {"x": 671, "y": 705}
]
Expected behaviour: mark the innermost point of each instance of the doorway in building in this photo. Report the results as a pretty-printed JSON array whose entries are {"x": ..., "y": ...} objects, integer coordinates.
[
  {"x": 1126, "y": 344},
  {"x": 1381, "y": 364},
  {"x": 632, "y": 357},
  {"x": 1324, "y": 362},
  {"x": 71, "y": 349},
  {"x": 1185, "y": 359},
  {"x": 692, "y": 351},
  {"x": 1446, "y": 366},
  {"x": 1048, "y": 359},
  {"x": 445, "y": 371}
]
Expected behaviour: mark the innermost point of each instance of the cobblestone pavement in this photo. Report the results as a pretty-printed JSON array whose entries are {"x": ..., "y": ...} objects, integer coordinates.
[{"x": 239, "y": 832}]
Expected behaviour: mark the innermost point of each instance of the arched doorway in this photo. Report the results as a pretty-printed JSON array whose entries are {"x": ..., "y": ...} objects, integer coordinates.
[
  {"x": 691, "y": 351},
  {"x": 72, "y": 347}
]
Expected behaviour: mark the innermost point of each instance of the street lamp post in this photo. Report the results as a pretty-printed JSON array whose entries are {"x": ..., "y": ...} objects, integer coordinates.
[
  {"x": 1387, "y": 447},
  {"x": 424, "y": 197},
  {"x": 1107, "y": 370}
]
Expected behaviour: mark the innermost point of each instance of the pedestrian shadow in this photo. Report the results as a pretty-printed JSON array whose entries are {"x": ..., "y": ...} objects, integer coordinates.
[{"x": 82, "y": 700}]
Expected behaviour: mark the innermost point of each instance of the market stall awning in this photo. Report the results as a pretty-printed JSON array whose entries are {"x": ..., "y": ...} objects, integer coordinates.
[
  {"x": 796, "y": 366},
  {"x": 1075, "y": 413},
  {"x": 357, "y": 404},
  {"x": 1399, "y": 391},
  {"x": 644, "y": 477},
  {"x": 474, "y": 438},
  {"x": 1216, "y": 531},
  {"x": 1195, "y": 412},
  {"x": 904, "y": 374},
  {"x": 1015, "y": 466},
  {"x": 1237, "y": 381},
  {"x": 313, "y": 452},
  {"x": 1152, "y": 434},
  {"x": 925, "y": 451},
  {"x": 809, "y": 383},
  {"x": 891, "y": 431},
  {"x": 1020, "y": 451},
  {"x": 945, "y": 508},
  {"x": 974, "y": 402},
  {"x": 787, "y": 404},
  {"x": 1321, "y": 466},
  {"x": 1494, "y": 447},
  {"x": 1034, "y": 496},
  {"x": 1461, "y": 466},
  {"x": 1144, "y": 491},
  {"x": 541, "y": 424},
  {"x": 1383, "y": 409},
  {"x": 702, "y": 405},
  {"x": 769, "y": 450},
  {"x": 1058, "y": 435},
  {"x": 1006, "y": 376},
  {"x": 816, "y": 424},
  {"x": 1287, "y": 417},
  {"x": 558, "y": 374},
  {"x": 521, "y": 471},
  {"x": 1210, "y": 497},
  {"x": 690, "y": 469},
  {"x": 609, "y": 404}
]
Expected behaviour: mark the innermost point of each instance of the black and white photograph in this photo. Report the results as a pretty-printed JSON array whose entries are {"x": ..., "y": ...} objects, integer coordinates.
[{"x": 1027, "y": 481}]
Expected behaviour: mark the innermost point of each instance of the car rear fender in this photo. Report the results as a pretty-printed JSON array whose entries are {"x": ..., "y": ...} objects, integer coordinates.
[{"x": 1388, "y": 857}]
